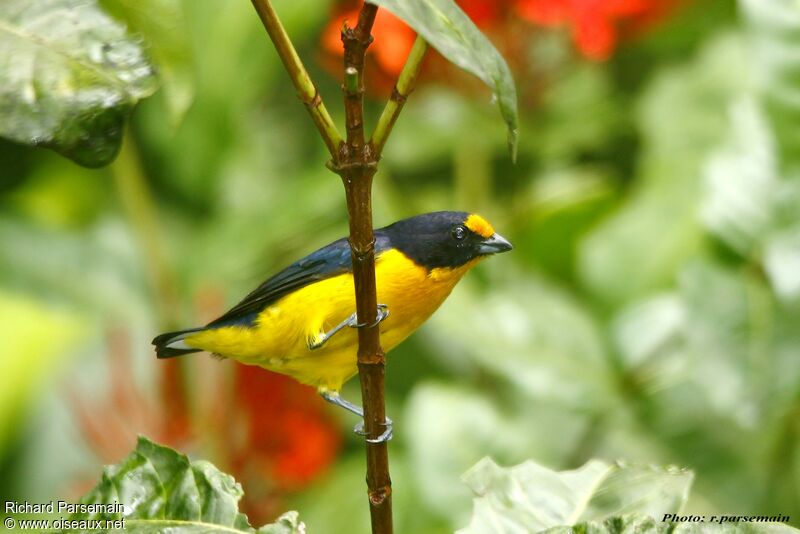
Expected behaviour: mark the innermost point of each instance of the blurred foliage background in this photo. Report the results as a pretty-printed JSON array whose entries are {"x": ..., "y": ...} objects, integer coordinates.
[{"x": 649, "y": 311}]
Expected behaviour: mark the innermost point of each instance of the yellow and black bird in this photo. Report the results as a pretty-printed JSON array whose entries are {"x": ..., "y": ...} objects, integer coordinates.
[{"x": 295, "y": 322}]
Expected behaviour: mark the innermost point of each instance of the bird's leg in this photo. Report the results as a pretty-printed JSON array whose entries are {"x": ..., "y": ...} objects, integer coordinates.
[
  {"x": 352, "y": 322},
  {"x": 335, "y": 399}
]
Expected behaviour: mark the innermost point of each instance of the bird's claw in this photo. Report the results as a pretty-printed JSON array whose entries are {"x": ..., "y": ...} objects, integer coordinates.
[
  {"x": 382, "y": 313},
  {"x": 384, "y": 437},
  {"x": 352, "y": 322},
  {"x": 334, "y": 398}
]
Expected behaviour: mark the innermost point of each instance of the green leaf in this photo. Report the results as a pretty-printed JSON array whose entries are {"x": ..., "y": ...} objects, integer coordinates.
[
  {"x": 749, "y": 204},
  {"x": 635, "y": 524},
  {"x": 742, "y": 180},
  {"x": 523, "y": 315},
  {"x": 684, "y": 110},
  {"x": 532, "y": 498},
  {"x": 69, "y": 78},
  {"x": 615, "y": 525},
  {"x": 773, "y": 31},
  {"x": 163, "y": 25},
  {"x": 161, "y": 489},
  {"x": 453, "y": 34}
]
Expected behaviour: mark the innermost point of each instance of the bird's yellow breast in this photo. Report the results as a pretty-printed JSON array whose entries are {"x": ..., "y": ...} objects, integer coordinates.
[{"x": 281, "y": 335}]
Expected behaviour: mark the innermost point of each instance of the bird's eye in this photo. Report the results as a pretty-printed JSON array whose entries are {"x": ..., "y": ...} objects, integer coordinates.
[{"x": 459, "y": 232}]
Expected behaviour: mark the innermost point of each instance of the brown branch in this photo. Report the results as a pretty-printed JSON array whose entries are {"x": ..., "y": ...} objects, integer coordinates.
[
  {"x": 356, "y": 162},
  {"x": 357, "y": 167}
]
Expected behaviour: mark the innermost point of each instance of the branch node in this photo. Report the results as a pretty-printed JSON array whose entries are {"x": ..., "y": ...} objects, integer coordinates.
[
  {"x": 399, "y": 97},
  {"x": 344, "y": 167},
  {"x": 360, "y": 252},
  {"x": 351, "y": 81},
  {"x": 357, "y": 93},
  {"x": 379, "y": 495},
  {"x": 372, "y": 360},
  {"x": 315, "y": 101}
]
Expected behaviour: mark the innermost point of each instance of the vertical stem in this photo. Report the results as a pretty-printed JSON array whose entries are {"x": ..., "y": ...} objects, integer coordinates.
[
  {"x": 357, "y": 167},
  {"x": 356, "y": 161}
]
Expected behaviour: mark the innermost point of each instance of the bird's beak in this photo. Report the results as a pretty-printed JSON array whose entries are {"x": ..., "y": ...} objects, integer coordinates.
[{"x": 494, "y": 244}]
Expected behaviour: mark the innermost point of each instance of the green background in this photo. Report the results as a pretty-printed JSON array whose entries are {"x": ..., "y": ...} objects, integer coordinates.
[{"x": 649, "y": 311}]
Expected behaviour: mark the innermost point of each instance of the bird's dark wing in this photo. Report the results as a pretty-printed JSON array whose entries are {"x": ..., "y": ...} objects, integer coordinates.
[{"x": 331, "y": 260}]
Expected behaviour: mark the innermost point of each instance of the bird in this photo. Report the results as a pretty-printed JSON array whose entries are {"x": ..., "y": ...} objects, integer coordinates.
[{"x": 296, "y": 322}]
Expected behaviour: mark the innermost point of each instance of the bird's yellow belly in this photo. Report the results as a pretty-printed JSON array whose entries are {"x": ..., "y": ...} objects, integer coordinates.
[{"x": 280, "y": 338}]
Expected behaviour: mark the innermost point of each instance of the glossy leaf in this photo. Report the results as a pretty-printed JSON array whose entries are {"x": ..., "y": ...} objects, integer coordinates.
[
  {"x": 69, "y": 78},
  {"x": 520, "y": 320},
  {"x": 635, "y": 524},
  {"x": 531, "y": 498},
  {"x": 450, "y": 31},
  {"x": 773, "y": 30},
  {"x": 742, "y": 179},
  {"x": 161, "y": 489},
  {"x": 749, "y": 203},
  {"x": 616, "y": 525},
  {"x": 163, "y": 26}
]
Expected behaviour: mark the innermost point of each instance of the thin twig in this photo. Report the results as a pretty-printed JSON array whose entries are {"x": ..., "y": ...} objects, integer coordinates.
[
  {"x": 306, "y": 90},
  {"x": 403, "y": 87}
]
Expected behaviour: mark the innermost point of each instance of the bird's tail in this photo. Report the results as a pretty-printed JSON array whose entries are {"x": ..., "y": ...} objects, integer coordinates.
[{"x": 171, "y": 344}]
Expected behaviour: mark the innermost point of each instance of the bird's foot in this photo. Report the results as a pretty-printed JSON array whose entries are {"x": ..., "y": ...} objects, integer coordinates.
[
  {"x": 383, "y": 313},
  {"x": 352, "y": 322},
  {"x": 386, "y": 436},
  {"x": 335, "y": 399}
]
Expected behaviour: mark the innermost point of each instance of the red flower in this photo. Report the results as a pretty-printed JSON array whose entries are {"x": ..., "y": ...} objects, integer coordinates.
[
  {"x": 484, "y": 12},
  {"x": 288, "y": 427},
  {"x": 393, "y": 38},
  {"x": 595, "y": 24}
]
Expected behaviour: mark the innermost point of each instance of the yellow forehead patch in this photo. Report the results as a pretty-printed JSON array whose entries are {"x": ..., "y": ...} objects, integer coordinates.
[{"x": 479, "y": 225}]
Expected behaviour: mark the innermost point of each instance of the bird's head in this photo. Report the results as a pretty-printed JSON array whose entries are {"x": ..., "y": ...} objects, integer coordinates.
[{"x": 445, "y": 238}]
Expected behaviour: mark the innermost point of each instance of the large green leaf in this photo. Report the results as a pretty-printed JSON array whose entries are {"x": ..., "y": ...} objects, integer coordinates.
[
  {"x": 635, "y": 524},
  {"x": 453, "y": 34},
  {"x": 69, "y": 77},
  {"x": 616, "y": 525},
  {"x": 749, "y": 204},
  {"x": 551, "y": 347},
  {"x": 163, "y": 25},
  {"x": 742, "y": 181},
  {"x": 161, "y": 490},
  {"x": 531, "y": 498},
  {"x": 773, "y": 31},
  {"x": 684, "y": 110}
]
